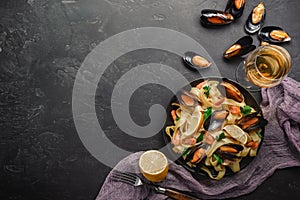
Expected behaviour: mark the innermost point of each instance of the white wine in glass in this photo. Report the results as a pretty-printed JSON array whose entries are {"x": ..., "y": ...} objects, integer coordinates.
[{"x": 266, "y": 66}]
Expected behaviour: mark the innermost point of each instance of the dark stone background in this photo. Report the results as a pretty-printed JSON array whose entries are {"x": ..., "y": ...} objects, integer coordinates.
[{"x": 42, "y": 45}]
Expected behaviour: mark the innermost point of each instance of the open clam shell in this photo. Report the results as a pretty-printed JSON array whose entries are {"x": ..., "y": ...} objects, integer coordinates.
[
  {"x": 235, "y": 8},
  {"x": 273, "y": 34},
  {"x": 215, "y": 17},
  {"x": 195, "y": 61},
  {"x": 256, "y": 19},
  {"x": 239, "y": 48}
]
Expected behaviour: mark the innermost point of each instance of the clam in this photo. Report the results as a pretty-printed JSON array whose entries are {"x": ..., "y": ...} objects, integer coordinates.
[
  {"x": 215, "y": 120},
  {"x": 256, "y": 19},
  {"x": 195, "y": 61},
  {"x": 235, "y": 8},
  {"x": 251, "y": 122},
  {"x": 215, "y": 17},
  {"x": 239, "y": 48},
  {"x": 273, "y": 34},
  {"x": 232, "y": 92}
]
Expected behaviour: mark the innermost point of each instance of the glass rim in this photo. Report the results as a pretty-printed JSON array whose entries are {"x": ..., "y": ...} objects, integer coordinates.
[{"x": 286, "y": 56}]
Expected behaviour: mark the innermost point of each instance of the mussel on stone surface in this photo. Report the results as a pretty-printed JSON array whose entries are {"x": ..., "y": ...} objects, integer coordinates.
[
  {"x": 215, "y": 17},
  {"x": 215, "y": 120},
  {"x": 235, "y": 8},
  {"x": 239, "y": 48},
  {"x": 256, "y": 19},
  {"x": 273, "y": 34},
  {"x": 232, "y": 92},
  {"x": 251, "y": 122},
  {"x": 195, "y": 61}
]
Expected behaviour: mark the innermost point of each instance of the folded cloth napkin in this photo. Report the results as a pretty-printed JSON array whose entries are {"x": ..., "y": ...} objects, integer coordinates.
[{"x": 280, "y": 149}]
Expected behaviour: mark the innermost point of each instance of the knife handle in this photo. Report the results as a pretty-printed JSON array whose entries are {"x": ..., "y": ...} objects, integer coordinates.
[{"x": 175, "y": 194}]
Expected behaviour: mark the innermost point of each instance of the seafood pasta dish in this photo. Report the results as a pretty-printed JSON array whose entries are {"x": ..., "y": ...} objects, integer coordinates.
[{"x": 213, "y": 128}]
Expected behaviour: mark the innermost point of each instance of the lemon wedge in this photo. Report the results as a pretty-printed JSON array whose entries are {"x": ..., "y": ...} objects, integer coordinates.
[
  {"x": 237, "y": 133},
  {"x": 154, "y": 165},
  {"x": 195, "y": 122}
]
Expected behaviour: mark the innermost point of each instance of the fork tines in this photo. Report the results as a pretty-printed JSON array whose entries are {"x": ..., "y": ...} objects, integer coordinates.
[{"x": 128, "y": 178}]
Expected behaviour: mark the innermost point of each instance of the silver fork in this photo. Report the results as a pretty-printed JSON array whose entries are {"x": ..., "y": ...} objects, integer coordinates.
[{"x": 133, "y": 179}]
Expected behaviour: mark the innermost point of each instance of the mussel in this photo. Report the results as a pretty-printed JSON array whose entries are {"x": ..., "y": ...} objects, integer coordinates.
[
  {"x": 251, "y": 122},
  {"x": 232, "y": 92},
  {"x": 256, "y": 19},
  {"x": 235, "y": 8},
  {"x": 195, "y": 61},
  {"x": 196, "y": 154},
  {"x": 239, "y": 48},
  {"x": 215, "y": 120},
  {"x": 215, "y": 17},
  {"x": 187, "y": 99},
  {"x": 226, "y": 155},
  {"x": 273, "y": 34}
]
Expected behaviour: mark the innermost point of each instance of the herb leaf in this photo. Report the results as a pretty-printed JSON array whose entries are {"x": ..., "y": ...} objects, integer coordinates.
[
  {"x": 200, "y": 138},
  {"x": 218, "y": 158},
  {"x": 207, "y": 89},
  {"x": 220, "y": 137},
  {"x": 178, "y": 118},
  {"x": 245, "y": 110},
  {"x": 207, "y": 113},
  {"x": 259, "y": 135},
  {"x": 186, "y": 151}
]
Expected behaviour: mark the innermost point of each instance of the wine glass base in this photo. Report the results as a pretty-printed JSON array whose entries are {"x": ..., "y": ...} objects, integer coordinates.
[{"x": 242, "y": 79}]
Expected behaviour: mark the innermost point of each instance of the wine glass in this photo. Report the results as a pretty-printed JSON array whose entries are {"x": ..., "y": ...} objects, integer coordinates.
[{"x": 264, "y": 67}]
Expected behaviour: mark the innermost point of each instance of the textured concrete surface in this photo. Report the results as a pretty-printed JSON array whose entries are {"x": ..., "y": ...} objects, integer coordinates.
[{"x": 42, "y": 45}]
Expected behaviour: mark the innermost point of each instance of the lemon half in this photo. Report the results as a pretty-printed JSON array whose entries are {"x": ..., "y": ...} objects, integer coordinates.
[{"x": 153, "y": 165}]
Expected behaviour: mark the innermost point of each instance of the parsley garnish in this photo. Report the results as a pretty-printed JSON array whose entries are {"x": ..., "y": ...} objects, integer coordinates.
[
  {"x": 259, "y": 135},
  {"x": 220, "y": 137},
  {"x": 186, "y": 151},
  {"x": 178, "y": 118},
  {"x": 207, "y": 89},
  {"x": 245, "y": 110},
  {"x": 200, "y": 138},
  {"x": 218, "y": 158},
  {"x": 207, "y": 113}
]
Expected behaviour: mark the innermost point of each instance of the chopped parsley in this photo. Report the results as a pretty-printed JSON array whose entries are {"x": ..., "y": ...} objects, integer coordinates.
[
  {"x": 218, "y": 158},
  {"x": 220, "y": 137},
  {"x": 200, "y": 138},
  {"x": 186, "y": 151},
  {"x": 207, "y": 113},
  {"x": 207, "y": 89},
  {"x": 245, "y": 110},
  {"x": 178, "y": 118},
  {"x": 259, "y": 134}
]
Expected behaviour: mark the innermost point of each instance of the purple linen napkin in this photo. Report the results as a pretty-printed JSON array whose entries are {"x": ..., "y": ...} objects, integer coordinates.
[{"x": 280, "y": 149}]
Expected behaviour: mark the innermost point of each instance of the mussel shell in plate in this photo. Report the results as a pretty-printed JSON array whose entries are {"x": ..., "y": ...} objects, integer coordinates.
[
  {"x": 232, "y": 92},
  {"x": 215, "y": 17},
  {"x": 195, "y": 61},
  {"x": 252, "y": 121},
  {"x": 256, "y": 19},
  {"x": 215, "y": 120},
  {"x": 235, "y": 8},
  {"x": 273, "y": 34},
  {"x": 239, "y": 48}
]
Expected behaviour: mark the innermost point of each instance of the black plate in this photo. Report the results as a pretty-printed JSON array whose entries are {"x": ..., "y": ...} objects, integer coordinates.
[{"x": 249, "y": 100}]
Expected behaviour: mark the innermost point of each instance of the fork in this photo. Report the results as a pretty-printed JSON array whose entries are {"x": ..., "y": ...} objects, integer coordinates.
[{"x": 133, "y": 179}]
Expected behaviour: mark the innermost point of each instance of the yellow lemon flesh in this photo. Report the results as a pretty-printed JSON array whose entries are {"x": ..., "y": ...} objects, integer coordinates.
[
  {"x": 237, "y": 133},
  {"x": 153, "y": 165}
]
